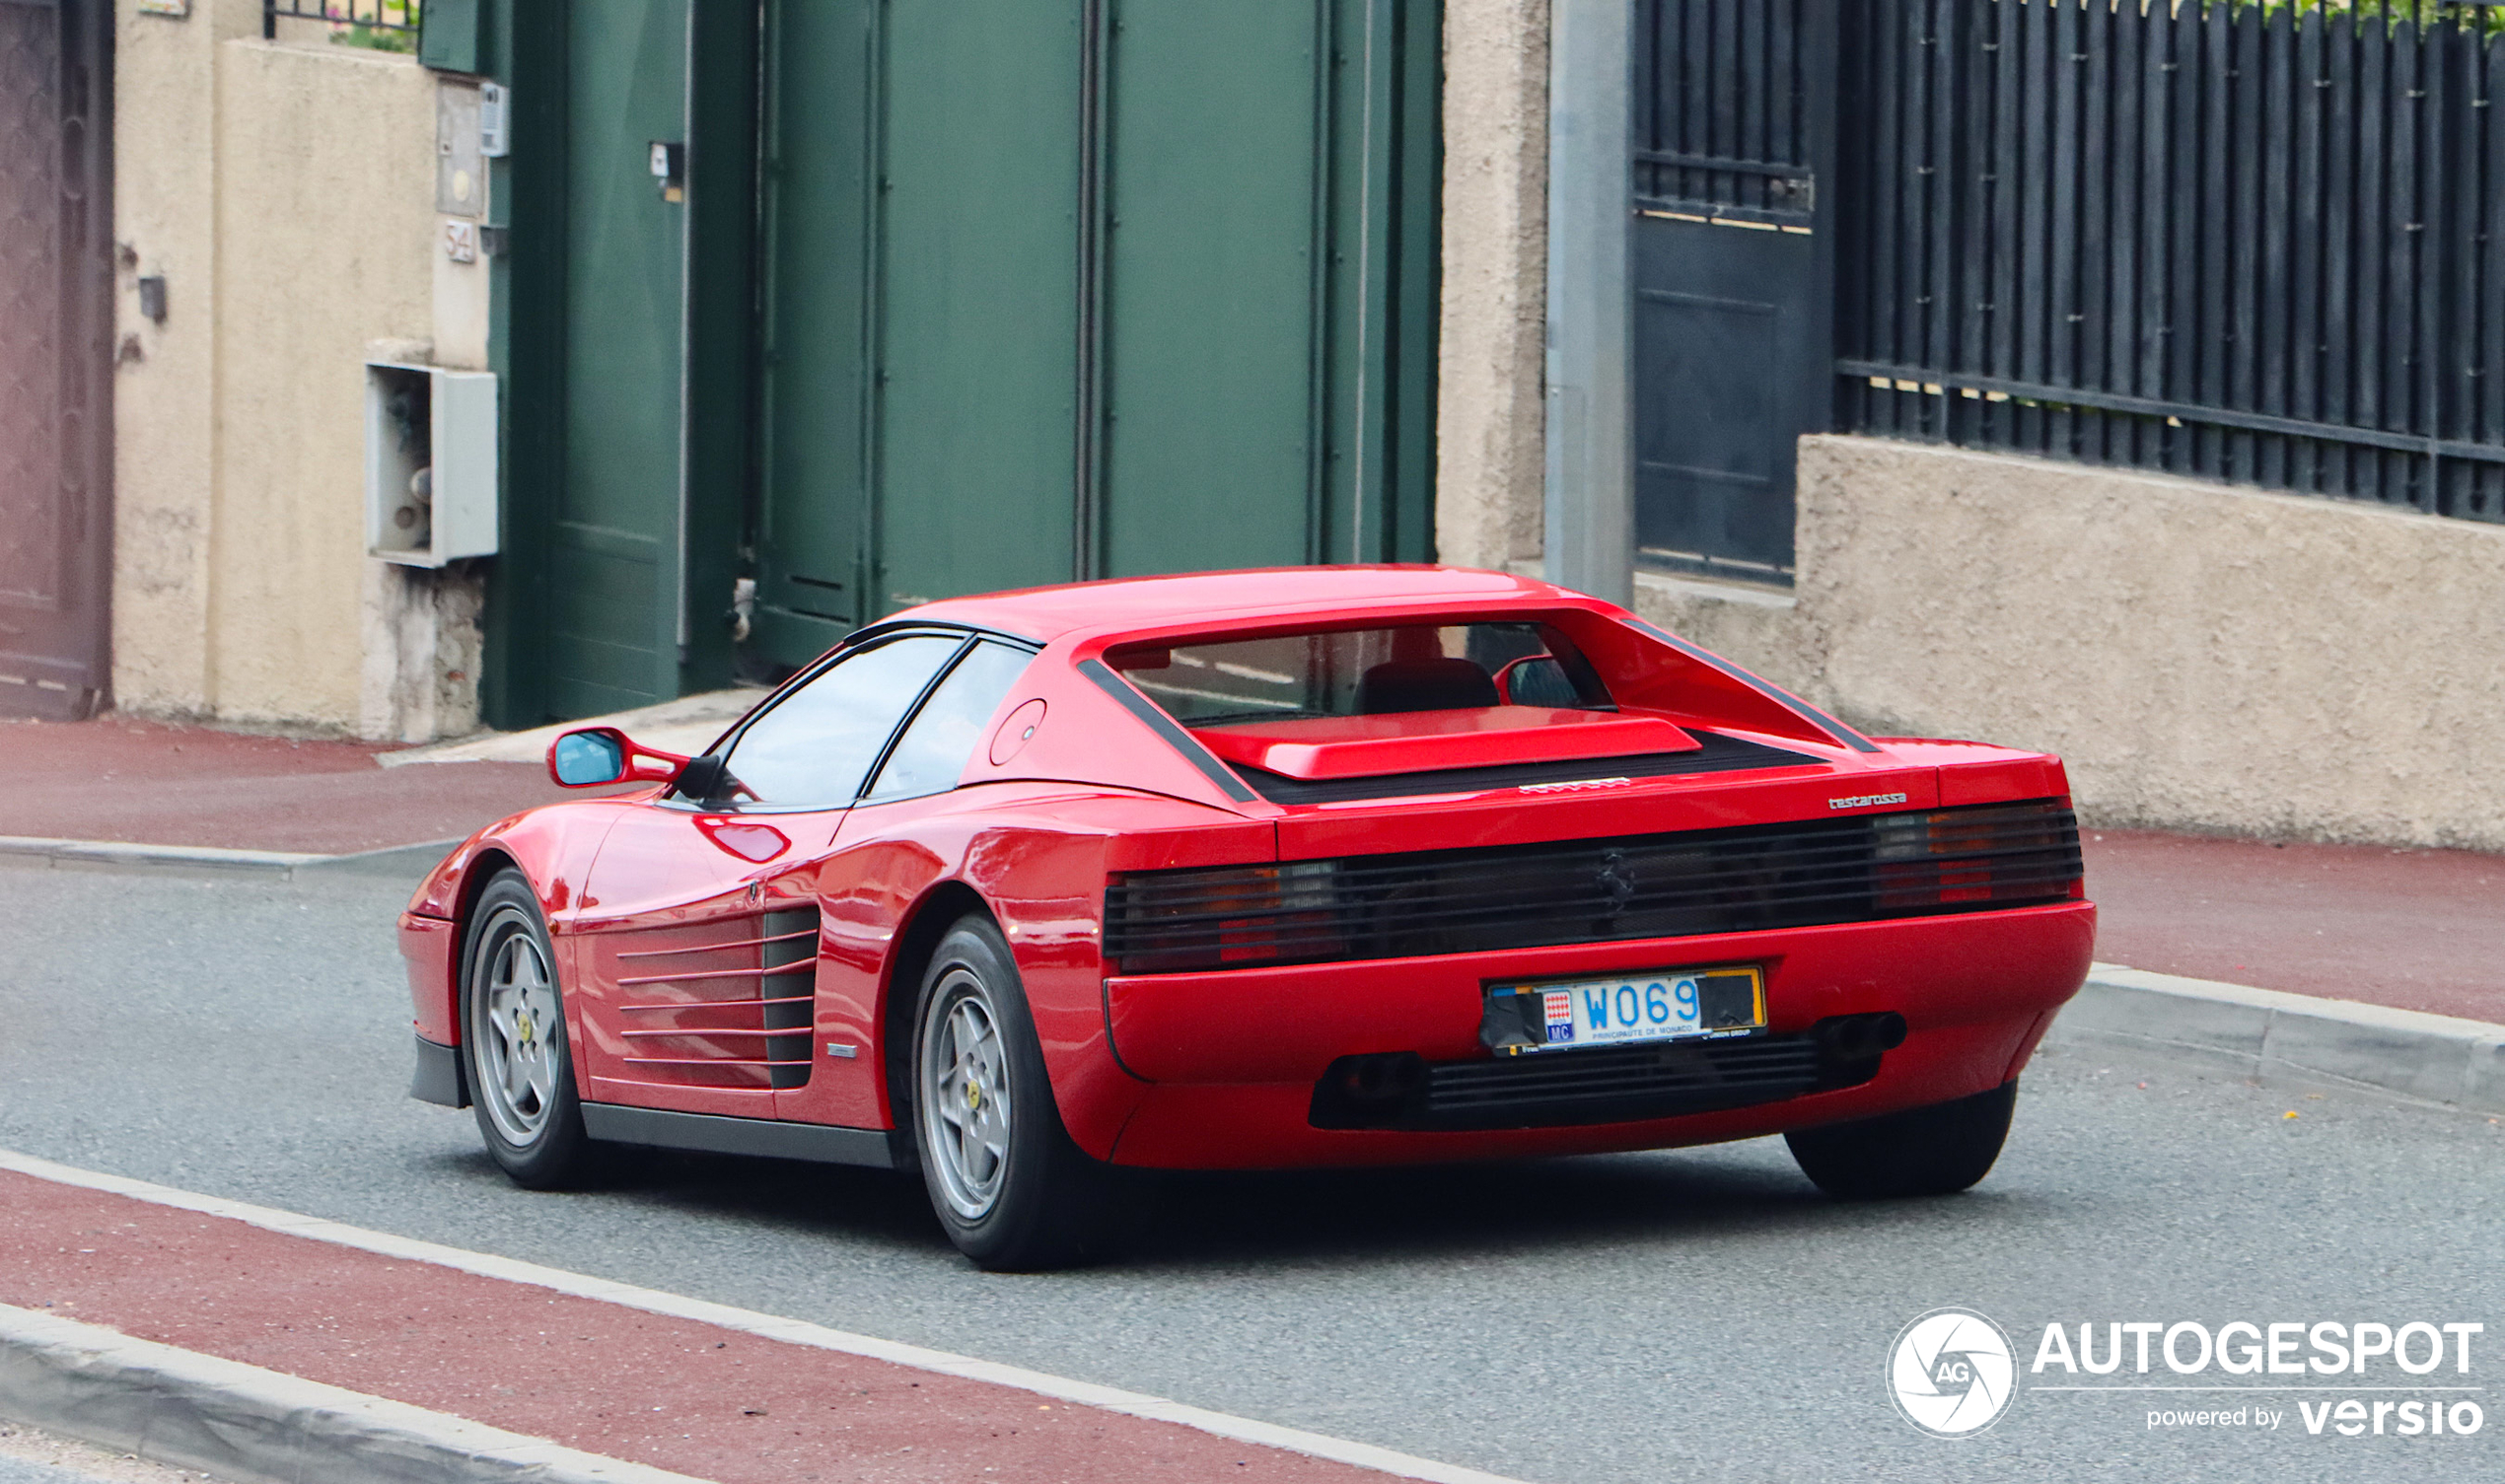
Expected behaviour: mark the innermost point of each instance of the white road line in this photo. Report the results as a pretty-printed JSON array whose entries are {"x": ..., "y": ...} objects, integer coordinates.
[{"x": 767, "y": 1326}]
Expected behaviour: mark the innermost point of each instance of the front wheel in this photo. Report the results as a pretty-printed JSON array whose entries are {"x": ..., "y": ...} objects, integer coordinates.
[
  {"x": 1013, "y": 1192},
  {"x": 514, "y": 1041},
  {"x": 1938, "y": 1150}
]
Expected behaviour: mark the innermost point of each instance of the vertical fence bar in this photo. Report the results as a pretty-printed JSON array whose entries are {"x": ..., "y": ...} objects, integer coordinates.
[
  {"x": 2009, "y": 130},
  {"x": 1884, "y": 194},
  {"x": 2096, "y": 195},
  {"x": 2404, "y": 474},
  {"x": 2244, "y": 157},
  {"x": 2186, "y": 170},
  {"x": 2304, "y": 334},
  {"x": 2117, "y": 307},
  {"x": 2063, "y": 325},
  {"x": 1946, "y": 162},
  {"x": 1973, "y": 193},
  {"x": 2215, "y": 148},
  {"x": 2341, "y": 173},
  {"x": 2490, "y": 200},
  {"x": 2431, "y": 284},
  {"x": 2152, "y": 308},
  {"x": 2275, "y": 293},
  {"x": 1696, "y": 91},
  {"x": 1748, "y": 108}
]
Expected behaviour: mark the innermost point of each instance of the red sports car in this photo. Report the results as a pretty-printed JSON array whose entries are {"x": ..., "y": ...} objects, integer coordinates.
[{"x": 1333, "y": 865}]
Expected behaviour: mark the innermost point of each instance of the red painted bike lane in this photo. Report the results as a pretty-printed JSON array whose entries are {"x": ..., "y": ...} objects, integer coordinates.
[{"x": 717, "y": 1403}]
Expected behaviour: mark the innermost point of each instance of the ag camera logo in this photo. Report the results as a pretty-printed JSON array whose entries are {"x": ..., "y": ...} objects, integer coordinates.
[{"x": 1951, "y": 1372}]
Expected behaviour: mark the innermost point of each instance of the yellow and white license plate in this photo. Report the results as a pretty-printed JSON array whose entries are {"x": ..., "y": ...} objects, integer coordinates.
[{"x": 1665, "y": 1005}]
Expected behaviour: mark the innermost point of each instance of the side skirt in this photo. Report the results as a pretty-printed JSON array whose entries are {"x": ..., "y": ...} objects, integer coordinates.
[{"x": 711, "y": 1133}]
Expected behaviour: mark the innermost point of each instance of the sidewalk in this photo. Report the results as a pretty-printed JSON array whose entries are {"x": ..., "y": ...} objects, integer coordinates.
[
  {"x": 144, "y": 783},
  {"x": 536, "y": 1353},
  {"x": 2412, "y": 929}
]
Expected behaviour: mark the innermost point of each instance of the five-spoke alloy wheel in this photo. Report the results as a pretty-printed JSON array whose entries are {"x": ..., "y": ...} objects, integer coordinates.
[
  {"x": 966, "y": 1080},
  {"x": 513, "y": 1040},
  {"x": 1008, "y": 1184}
]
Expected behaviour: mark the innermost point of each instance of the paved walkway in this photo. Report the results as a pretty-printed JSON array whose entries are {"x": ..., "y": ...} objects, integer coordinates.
[
  {"x": 2412, "y": 929},
  {"x": 147, "y": 784},
  {"x": 716, "y": 1403}
]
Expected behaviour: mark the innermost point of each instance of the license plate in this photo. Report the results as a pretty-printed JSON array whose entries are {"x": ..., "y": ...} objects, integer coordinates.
[{"x": 1664, "y": 1005}]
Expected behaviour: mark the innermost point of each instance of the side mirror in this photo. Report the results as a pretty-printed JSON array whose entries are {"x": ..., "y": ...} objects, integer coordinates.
[
  {"x": 594, "y": 756},
  {"x": 1536, "y": 681}
]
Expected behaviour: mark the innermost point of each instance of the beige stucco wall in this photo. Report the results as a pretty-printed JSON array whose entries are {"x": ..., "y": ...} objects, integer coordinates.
[
  {"x": 1495, "y": 225},
  {"x": 287, "y": 194},
  {"x": 325, "y": 224},
  {"x": 2204, "y": 657},
  {"x": 165, "y": 423}
]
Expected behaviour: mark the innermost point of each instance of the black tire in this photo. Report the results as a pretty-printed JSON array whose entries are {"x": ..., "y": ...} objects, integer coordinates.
[
  {"x": 1014, "y": 1194},
  {"x": 1938, "y": 1150},
  {"x": 512, "y": 1040}
]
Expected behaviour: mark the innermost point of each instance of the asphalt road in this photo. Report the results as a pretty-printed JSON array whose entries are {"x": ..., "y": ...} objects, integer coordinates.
[{"x": 1701, "y": 1315}]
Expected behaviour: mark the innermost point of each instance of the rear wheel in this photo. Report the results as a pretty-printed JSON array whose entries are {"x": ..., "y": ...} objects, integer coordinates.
[
  {"x": 1011, "y": 1188},
  {"x": 1927, "y": 1150},
  {"x": 514, "y": 1041}
]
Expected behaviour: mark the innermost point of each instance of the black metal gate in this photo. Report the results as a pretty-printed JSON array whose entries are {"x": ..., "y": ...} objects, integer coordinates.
[
  {"x": 1733, "y": 275},
  {"x": 55, "y": 355}
]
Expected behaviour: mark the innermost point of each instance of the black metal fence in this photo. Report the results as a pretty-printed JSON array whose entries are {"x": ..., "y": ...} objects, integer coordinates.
[
  {"x": 385, "y": 25},
  {"x": 2249, "y": 242}
]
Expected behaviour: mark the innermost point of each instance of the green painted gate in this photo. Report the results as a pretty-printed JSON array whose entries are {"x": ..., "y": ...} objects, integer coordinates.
[
  {"x": 609, "y": 528},
  {"x": 1000, "y": 292}
]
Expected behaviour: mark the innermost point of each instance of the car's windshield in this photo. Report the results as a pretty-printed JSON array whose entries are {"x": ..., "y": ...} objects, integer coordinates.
[{"x": 1364, "y": 673}]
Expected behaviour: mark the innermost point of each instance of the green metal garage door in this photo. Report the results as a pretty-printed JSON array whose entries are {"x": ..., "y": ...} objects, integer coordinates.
[
  {"x": 1074, "y": 288},
  {"x": 998, "y": 293},
  {"x": 609, "y": 620}
]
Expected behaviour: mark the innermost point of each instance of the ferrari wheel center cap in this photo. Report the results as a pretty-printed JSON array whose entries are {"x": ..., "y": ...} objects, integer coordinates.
[
  {"x": 973, "y": 1093},
  {"x": 521, "y": 1028}
]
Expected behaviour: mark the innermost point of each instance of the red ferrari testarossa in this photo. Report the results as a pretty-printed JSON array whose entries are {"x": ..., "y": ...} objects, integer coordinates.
[{"x": 1329, "y": 866}]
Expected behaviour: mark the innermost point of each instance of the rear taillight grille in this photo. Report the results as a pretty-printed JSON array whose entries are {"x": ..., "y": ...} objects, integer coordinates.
[{"x": 1663, "y": 885}]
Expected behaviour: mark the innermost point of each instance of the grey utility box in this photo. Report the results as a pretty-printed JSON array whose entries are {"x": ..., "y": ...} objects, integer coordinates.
[{"x": 430, "y": 463}]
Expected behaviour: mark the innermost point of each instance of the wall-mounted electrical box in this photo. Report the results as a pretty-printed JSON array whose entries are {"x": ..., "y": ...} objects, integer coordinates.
[{"x": 430, "y": 463}]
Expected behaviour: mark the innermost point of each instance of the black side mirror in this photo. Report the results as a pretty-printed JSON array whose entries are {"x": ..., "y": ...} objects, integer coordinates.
[{"x": 703, "y": 778}]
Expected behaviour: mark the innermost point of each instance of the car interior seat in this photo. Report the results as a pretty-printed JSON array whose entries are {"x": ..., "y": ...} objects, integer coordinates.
[{"x": 1439, "y": 684}]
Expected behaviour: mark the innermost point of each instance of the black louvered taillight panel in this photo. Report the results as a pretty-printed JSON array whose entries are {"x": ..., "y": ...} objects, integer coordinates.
[{"x": 1801, "y": 874}]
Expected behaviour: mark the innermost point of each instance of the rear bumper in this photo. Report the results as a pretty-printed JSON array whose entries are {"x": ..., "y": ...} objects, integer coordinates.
[{"x": 1233, "y": 1058}]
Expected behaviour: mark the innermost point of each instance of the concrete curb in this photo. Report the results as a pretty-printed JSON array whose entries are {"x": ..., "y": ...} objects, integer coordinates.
[
  {"x": 116, "y": 855},
  {"x": 2272, "y": 1035},
  {"x": 254, "y": 1426}
]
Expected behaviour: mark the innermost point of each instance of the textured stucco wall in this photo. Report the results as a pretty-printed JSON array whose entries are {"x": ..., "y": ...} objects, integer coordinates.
[
  {"x": 165, "y": 421},
  {"x": 2204, "y": 657},
  {"x": 326, "y": 227},
  {"x": 1495, "y": 224},
  {"x": 287, "y": 194}
]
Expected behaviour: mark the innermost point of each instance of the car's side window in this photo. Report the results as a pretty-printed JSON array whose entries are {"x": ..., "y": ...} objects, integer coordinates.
[
  {"x": 933, "y": 752},
  {"x": 815, "y": 747}
]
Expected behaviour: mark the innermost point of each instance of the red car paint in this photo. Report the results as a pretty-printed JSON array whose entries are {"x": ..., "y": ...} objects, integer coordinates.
[{"x": 1073, "y": 787}]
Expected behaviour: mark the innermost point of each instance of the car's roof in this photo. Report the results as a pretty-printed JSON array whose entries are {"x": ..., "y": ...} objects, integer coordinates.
[{"x": 1046, "y": 614}]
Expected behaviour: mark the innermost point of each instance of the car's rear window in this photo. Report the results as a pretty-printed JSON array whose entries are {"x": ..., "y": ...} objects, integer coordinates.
[{"x": 1365, "y": 672}]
